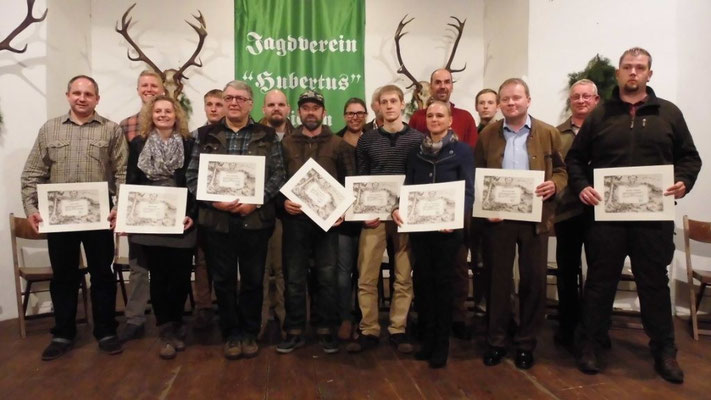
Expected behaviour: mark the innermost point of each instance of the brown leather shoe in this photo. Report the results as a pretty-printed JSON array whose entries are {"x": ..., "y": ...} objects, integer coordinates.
[{"x": 669, "y": 369}]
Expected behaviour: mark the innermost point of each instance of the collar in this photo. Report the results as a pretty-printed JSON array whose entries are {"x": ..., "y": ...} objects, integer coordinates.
[
  {"x": 95, "y": 117},
  {"x": 526, "y": 124}
]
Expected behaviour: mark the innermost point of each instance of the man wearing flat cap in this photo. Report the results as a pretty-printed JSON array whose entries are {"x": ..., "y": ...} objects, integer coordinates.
[{"x": 304, "y": 239}]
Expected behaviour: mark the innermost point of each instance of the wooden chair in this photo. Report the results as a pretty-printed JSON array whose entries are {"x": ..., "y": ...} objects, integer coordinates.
[
  {"x": 20, "y": 229},
  {"x": 701, "y": 232}
]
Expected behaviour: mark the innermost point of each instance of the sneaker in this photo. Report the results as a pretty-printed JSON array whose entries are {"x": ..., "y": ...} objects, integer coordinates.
[
  {"x": 250, "y": 348},
  {"x": 362, "y": 343},
  {"x": 110, "y": 345},
  {"x": 345, "y": 330},
  {"x": 179, "y": 334},
  {"x": 167, "y": 350},
  {"x": 233, "y": 349},
  {"x": 131, "y": 332},
  {"x": 291, "y": 342},
  {"x": 57, "y": 348},
  {"x": 401, "y": 342},
  {"x": 328, "y": 343},
  {"x": 203, "y": 318}
]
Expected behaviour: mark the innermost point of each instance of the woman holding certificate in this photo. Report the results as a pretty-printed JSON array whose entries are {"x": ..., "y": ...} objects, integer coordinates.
[
  {"x": 159, "y": 156},
  {"x": 440, "y": 158}
]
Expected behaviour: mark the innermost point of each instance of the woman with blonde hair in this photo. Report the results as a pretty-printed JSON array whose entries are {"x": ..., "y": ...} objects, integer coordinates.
[{"x": 159, "y": 156}]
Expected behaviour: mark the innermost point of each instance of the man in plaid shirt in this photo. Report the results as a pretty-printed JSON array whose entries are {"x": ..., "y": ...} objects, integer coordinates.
[{"x": 80, "y": 146}]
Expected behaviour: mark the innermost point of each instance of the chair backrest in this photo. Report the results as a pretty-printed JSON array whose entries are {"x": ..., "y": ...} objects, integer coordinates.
[
  {"x": 699, "y": 231},
  {"x": 20, "y": 228}
]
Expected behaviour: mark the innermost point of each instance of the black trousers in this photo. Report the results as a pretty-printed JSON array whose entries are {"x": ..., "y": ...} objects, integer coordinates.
[
  {"x": 500, "y": 243},
  {"x": 64, "y": 286},
  {"x": 170, "y": 270},
  {"x": 650, "y": 246},
  {"x": 433, "y": 280},
  {"x": 225, "y": 253},
  {"x": 570, "y": 235}
]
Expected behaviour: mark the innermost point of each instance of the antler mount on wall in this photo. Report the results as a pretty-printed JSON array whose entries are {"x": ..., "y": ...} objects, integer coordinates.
[
  {"x": 422, "y": 88},
  {"x": 172, "y": 78},
  {"x": 29, "y": 20}
]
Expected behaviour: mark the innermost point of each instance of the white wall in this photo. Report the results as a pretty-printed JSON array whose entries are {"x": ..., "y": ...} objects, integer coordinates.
[{"x": 23, "y": 87}]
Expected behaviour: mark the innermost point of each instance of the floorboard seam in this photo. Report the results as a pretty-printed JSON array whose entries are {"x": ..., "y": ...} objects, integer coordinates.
[
  {"x": 169, "y": 384},
  {"x": 534, "y": 381}
]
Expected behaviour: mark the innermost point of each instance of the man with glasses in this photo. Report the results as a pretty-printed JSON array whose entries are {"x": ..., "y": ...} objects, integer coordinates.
[
  {"x": 569, "y": 219},
  {"x": 235, "y": 233}
]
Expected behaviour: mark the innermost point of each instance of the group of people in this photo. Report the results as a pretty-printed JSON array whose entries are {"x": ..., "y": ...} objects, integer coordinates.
[{"x": 277, "y": 241}]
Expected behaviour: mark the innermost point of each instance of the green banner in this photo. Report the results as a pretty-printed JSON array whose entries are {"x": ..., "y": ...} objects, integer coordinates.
[{"x": 296, "y": 45}]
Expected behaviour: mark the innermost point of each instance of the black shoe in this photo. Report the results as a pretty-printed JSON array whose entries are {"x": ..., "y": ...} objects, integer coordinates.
[
  {"x": 131, "y": 332},
  {"x": 402, "y": 343},
  {"x": 57, "y": 348},
  {"x": 494, "y": 355},
  {"x": 291, "y": 343},
  {"x": 587, "y": 360},
  {"x": 110, "y": 345},
  {"x": 524, "y": 359},
  {"x": 668, "y": 368},
  {"x": 329, "y": 344},
  {"x": 460, "y": 330},
  {"x": 362, "y": 343},
  {"x": 438, "y": 362}
]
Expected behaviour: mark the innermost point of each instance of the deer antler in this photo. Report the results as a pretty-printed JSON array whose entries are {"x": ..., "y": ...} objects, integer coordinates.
[
  {"x": 29, "y": 20},
  {"x": 123, "y": 30},
  {"x": 402, "y": 69},
  {"x": 202, "y": 33},
  {"x": 459, "y": 27}
]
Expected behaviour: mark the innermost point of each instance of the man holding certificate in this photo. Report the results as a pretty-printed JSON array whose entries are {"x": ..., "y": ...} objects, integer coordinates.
[
  {"x": 236, "y": 233},
  {"x": 81, "y": 146},
  {"x": 304, "y": 239},
  {"x": 384, "y": 151},
  {"x": 633, "y": 128},
  {"x": 519, "y": 142}
]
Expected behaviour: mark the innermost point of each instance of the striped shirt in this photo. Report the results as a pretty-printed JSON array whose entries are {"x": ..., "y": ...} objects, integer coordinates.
[
  {"x": 382, "y": 153},
  {"x": 65, "y": 152}
]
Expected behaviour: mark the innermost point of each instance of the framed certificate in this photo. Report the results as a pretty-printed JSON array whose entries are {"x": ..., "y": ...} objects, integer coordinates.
[
  {"x": 151, "y": 209},
  {"x": 634, "y": 193},
  {"x": 320, "y": 195},
  {"x": 508, "y": 194},
  {"x": 375, "y": 196},
  {"x": 223, "y": 177},
  {"x": 71, "y": 207},
  {"x": 432, "y": 207}
]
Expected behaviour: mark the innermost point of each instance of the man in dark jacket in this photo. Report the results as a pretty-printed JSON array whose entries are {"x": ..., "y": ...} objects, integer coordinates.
[
  {"x": 237, "y": 233},
  {"x": 634, "y": 128}
]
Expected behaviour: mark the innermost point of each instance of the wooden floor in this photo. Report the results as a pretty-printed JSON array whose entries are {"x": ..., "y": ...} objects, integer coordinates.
[{"x": 202, "y": 373}]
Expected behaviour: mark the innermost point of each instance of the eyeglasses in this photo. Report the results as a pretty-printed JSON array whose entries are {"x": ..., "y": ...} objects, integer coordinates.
[
  {"x": 238, "y": 99},
  {"x": 359, "y": 114},
  {"x": 585, "y": 96}
]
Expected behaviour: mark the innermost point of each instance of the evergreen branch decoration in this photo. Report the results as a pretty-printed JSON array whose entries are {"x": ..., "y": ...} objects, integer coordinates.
[{"x": 600, "y": 71}]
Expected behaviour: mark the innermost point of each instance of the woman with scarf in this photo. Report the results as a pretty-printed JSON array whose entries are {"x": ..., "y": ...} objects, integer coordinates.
[
  {"x": 159, "y": 156},
  {"x": 440, "y": 158}
]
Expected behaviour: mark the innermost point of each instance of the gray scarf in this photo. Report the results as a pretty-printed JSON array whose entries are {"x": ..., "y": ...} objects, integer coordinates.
[
  {"x": 159, "y": 159},
  {"x": 431, "y": 148}
]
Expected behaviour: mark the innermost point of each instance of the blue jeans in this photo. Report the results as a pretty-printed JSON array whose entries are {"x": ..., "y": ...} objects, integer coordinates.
[
  {"x": 303, "y": 240},
  {"x": 347, "y": 269}
]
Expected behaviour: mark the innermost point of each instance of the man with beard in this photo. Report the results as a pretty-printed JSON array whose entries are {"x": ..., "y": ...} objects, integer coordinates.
[
  {"x": 276, "y": 111},
  {"x": 633, "y": 128},
  {"x": 149, "y": 85},
  {"x": 384, "y": 151},
  {"x": 441, "y": 87},
  {"x": 303, "y": 238},
  {"x": 570, "y": 219}
]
